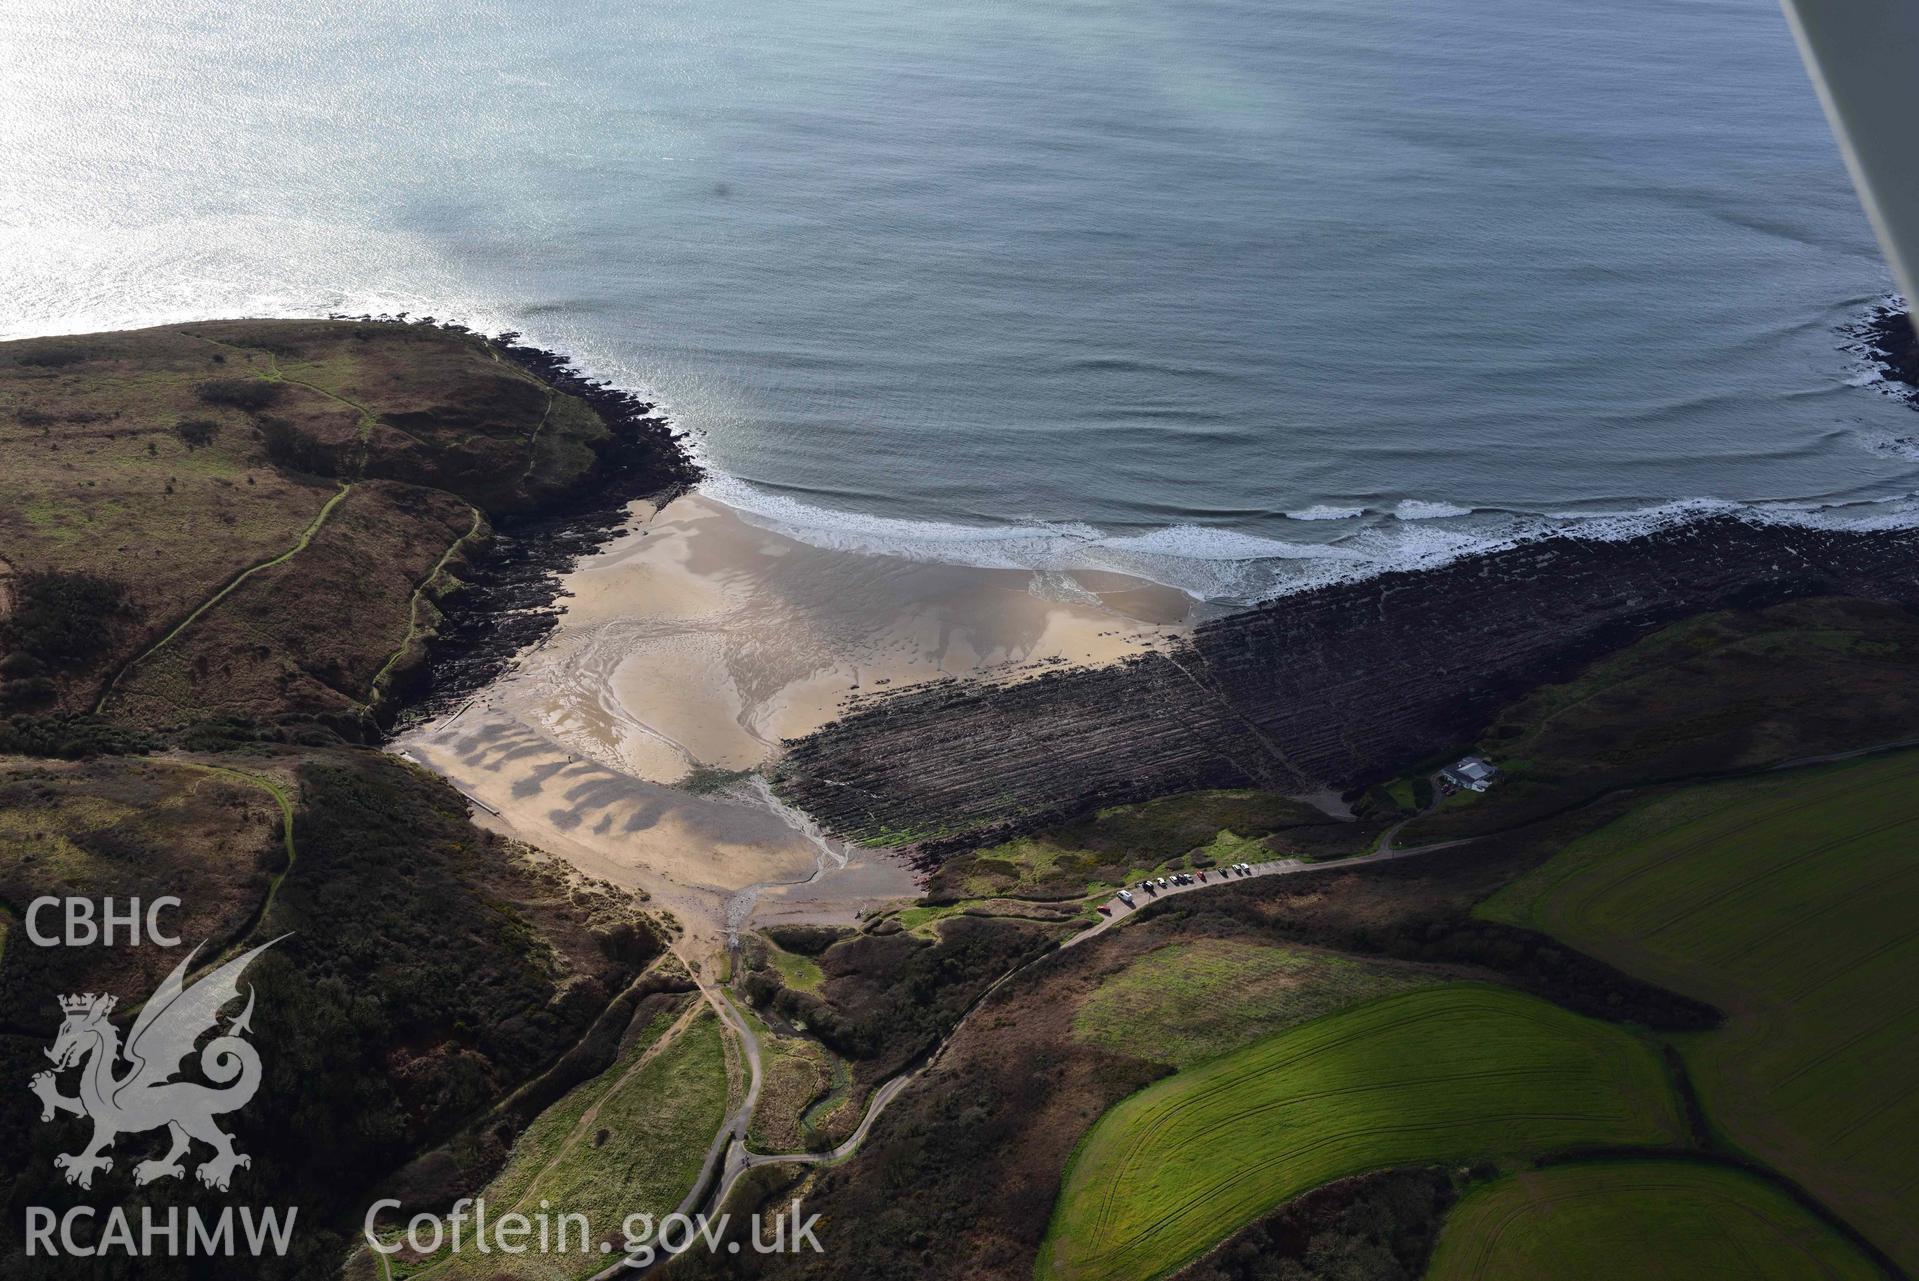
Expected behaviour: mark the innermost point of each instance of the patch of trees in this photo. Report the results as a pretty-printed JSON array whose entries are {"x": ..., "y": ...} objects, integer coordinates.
[
  {"x": 60, "y": 623},
  {"x": 889, "y": 998},
  {"x": 71, "y": 737},
  {"x": 229, "y": 733},
  {"x": 248, "y": 394},
  {"x": 290, "y": 447},
  {"x": 805, "y": 940},
  {"x": 1378, "y": 1227},
  {"x": 54, "y": 357},
  {"x": 196, "y": 432}
]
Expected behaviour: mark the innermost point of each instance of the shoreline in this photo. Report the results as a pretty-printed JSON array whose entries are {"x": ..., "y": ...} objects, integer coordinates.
[
  {"x": 680, "y": 655},
  {"x": 1887, "y": 339},
  {"x": 650, "y": 654},
  {"x": 1245, "y": 571},
  {"x": 1341, "y": 686},
  {"x": 504, "y": 595}
]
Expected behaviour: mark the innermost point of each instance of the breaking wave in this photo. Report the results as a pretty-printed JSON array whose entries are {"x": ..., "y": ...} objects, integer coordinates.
[{"x": 1229, "y": 567}]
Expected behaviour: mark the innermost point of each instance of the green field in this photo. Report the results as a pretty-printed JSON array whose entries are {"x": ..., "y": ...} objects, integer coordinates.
[
  {"x": 1653, "y": 1220},
  {"x": 1190, "y": 1001},
  {"x": 1791, "y": 902},
  {"x": 801, "y": 973},
  {"x": 1451, "y": 1073}
]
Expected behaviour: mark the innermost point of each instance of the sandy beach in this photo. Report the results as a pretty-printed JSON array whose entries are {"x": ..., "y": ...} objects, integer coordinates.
[{"x": 696, "y": 641}]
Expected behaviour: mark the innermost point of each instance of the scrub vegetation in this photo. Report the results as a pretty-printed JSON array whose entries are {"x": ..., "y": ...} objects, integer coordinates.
[
  {"x": 1124, "y": 843},
  {"x": 1711, "y": 695},
  {"x": 628, "y": 1142},
  {"x": 230, "y": 543},
  {"x": 233, "y": 518},
  {"x": 1209, "y": 996}
]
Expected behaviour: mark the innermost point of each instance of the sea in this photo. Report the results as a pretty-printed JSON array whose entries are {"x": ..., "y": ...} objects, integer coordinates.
[{"x": 1237, "y": 295}]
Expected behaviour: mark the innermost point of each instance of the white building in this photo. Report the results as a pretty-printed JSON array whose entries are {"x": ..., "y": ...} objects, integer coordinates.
[{"x": 1472, "y": 772}]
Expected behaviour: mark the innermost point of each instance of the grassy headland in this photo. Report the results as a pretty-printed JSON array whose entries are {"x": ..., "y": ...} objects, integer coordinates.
[
  {"x": 224, "y": 549},
  {"x": 255, "y": 518}
]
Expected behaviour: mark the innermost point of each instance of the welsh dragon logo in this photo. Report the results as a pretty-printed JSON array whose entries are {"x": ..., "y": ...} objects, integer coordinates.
[{"x": 144, "y": 1096}]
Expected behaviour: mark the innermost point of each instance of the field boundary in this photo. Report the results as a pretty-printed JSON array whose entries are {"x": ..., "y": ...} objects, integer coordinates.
[
  {"x": 375, "y": 694},
  {"x": 1732, "y": 1160}
]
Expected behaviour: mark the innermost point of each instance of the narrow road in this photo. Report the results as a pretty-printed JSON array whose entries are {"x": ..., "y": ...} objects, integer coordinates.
[
  {"x": 731, "y": 1138},
  {"x": 739, "y": 1159}
]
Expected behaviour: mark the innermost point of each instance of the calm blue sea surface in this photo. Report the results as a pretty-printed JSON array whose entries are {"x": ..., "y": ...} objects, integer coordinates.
[{"x": 1231, "y": 293}]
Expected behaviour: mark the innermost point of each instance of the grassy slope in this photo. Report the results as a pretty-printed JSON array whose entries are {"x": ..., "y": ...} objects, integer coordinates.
[
  {"x": 173, "y": 461},
  {"x": 93, "y": 449},
  {"x": 263, "y": 645},
  {"x": 887, "y": 997},
  {"x": 1790, "y": 903},
  {"x": 429, "y": 970},
  {"x": 145, "y": 829},
  {"x": 1454, "y": 1073},
  {"x": 1659, "y": 1220},
  {"x": 251, "y": 520},
  {"x": 801, "y": 973},
  {"x": 1192, "y": 1001},
  {"x": 796, "y": 1074},
  {"x": 1714, "y": 694},
  {"x": 630, "y": 1141}
]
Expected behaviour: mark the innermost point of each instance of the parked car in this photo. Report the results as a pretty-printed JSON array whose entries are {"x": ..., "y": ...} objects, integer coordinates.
[{"x": 1126, "y": 897}]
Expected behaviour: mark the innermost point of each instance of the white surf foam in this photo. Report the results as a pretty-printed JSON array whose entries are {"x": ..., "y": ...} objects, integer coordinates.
[
  {"x": 1229, "y": 567},
  {"x": 1420, "y": 509},
  {"x": 1326, "y": 511}
]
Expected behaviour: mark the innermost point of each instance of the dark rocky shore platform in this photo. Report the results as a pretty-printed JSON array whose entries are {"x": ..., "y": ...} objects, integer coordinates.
[
  {"x": 508, "y": 596},
  {"x": 1341, "y": 686},
  {"x": 1887, "y": 339}
]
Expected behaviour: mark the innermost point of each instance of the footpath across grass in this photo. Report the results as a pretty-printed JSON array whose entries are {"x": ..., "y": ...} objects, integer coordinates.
[
  {"x": 1455, "y": 1073},
  {"x": 1648, "y": 1220}
]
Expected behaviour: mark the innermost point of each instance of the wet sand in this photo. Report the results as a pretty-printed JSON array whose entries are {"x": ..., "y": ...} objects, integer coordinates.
[{"x": 692, "y": 644}]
